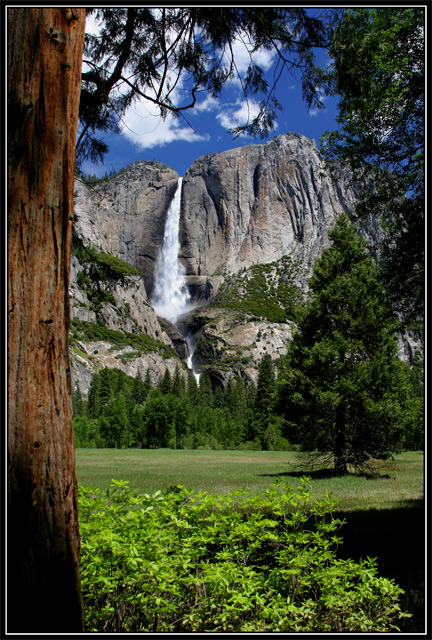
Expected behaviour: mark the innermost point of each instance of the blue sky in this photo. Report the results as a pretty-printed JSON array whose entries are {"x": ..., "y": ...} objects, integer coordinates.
[{"x": 145, "y": 137}]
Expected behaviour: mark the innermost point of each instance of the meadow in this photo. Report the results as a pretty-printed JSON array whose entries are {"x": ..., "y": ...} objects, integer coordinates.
[
  {"x": 148, "y": 470},
  {"x": 384, "y": 516}
]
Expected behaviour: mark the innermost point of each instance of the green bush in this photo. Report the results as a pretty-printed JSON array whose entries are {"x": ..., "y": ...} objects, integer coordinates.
[
  {"x": 263, "y": 291},
  {"x": 98, "y": 331},
  {"x": 187, "y": 562}
]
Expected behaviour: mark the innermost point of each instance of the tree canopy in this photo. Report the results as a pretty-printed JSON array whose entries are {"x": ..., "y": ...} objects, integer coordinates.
[{"x": 377, "y": 70}]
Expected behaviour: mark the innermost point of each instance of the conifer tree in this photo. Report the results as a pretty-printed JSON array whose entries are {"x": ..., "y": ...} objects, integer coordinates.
[
  {"x": 139, "y": 393},
  {"x": 93, "y": 399},
  {"x": 205, "y": 391},
  {"x": 78, "y": 403},
  {"x": 165, "y": 383},
  {"x": 147, "y": 383},
  {"x": 178, "y": 384},
  {"x": 265, "y": 386},
  {"x": 342, "y": 389}
]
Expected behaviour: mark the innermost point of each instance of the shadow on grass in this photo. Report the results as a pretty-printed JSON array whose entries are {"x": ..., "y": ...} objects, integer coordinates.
[
  {"x": 315, "y": 475},
  {"x": 396, "y": 537}
]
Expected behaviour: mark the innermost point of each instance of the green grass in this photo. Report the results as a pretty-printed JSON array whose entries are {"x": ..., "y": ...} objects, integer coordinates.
[{"x": 222, "y": 471}]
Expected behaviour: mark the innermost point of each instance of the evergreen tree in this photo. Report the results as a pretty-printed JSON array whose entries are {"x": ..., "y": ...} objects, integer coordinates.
[
  {"x": 147, "y": 383},
  {"x": 93, "y": 398},
  {"x": 178, "y": 384},
  {"x": 342, "y": 390},
  {"x": 114, "y": 423},
  {"x": 235, "y": 399},
  {"x": 78, "y": 403},
  {"x": 192, "y": 391},
  {"x": 139, "y": 389},
  {"x": 165, "y": 383},
  {"x": 265, "y": 386},
  {"x": 205, "y": 391},
  {"x": 378, "y": 72},
  {"x": 264, "y": 401}
]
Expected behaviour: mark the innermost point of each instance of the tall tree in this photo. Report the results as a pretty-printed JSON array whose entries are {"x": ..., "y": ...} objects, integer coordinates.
[
  {"x": 44, "y": 62},
  {"x": 378, "y": 72},
  {"x": 342, "y": 391}
]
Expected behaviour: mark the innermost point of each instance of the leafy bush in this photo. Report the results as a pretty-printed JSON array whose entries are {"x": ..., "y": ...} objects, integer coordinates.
[{"x": 187, "y": 562}]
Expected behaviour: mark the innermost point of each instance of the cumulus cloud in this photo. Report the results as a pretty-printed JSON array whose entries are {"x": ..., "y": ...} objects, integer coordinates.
[{"x": 142, "y": 126}]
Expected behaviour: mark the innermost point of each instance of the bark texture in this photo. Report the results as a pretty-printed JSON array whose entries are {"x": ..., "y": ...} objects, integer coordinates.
[{"x": 44, "y": 59}]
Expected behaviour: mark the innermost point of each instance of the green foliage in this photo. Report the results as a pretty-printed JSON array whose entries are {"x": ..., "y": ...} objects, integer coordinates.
[
  {"x": 343, "y": 391},
  {"x": 378, "y": 74},
  {"x": 128, "y": 412},
  {"x": 100, "y": 272},
  {"x": 187, "y": 562},
  {"x": 100, "y": 266},
  {"x": 264, "y": 291},
  {"x": 95, "y": 331}
]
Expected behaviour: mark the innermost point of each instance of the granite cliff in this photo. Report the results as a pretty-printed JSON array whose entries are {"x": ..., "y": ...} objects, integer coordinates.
[{"x": 253, "y": 218}]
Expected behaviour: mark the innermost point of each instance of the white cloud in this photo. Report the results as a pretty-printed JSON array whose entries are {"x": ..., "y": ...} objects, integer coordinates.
[
  {"x": 142, "y": 126},
  {"x": 241, "y": 51},
  {"x": 238, "y": 114}
]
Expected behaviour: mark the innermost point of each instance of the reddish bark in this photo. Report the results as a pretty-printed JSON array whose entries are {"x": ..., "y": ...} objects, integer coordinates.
[{"x": 44, "y": 58}]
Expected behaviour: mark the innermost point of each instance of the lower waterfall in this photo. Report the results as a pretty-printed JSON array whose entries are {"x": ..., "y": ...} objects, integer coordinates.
[{"x": 170, "y": 297}]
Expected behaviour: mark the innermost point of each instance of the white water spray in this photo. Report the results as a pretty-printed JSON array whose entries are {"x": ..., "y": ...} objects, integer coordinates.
[{"x": 171, "y": 297}]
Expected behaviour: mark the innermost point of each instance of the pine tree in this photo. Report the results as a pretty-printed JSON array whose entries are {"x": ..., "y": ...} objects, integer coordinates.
[
  {"x": 147, "y": 383},
  {"x": 342, "y": 389},
  {"x": 205, "y": 391},
  {"x": 265, "y": 386},
  {"x": 93, "y": 399},
  {"x": 139, "y": 390},
  {"x": 192, "y": 391},
  {"x": 178, "y": 384},
  {"x": 165, "y": 383}
]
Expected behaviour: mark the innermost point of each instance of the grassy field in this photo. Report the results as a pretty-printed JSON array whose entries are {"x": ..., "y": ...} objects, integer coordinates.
[
  {"x": 384, "y": 516},
  {"x": 222, "y": 471}
]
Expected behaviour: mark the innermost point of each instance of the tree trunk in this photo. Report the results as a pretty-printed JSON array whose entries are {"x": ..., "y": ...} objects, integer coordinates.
[
  {"x": 340, "y": 463},
  {"x": 44, "y": 59}
]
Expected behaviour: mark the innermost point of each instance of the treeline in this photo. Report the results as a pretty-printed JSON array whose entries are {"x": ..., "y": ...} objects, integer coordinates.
[
  {"x": 93, "y": 179},
  {"x": 122, "y": 412}
]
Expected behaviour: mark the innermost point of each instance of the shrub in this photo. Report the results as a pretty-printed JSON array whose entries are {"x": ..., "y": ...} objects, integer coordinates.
[{"x": 187, "y": 562}]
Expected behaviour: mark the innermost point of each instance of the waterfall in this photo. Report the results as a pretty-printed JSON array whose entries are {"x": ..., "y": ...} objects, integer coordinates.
[
  {"x": 170, "y": 294},
  {"x": 170, "y": 297}
]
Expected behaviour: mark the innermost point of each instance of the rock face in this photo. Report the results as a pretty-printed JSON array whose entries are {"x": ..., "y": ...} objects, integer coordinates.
[
  {"x": 127, "y": 312},
  {"x": 249, "y": 206},
  {"x": 255, "y": 204},
  {"x": 232, "y": 344},
  {"x": 126, "y": 216}
]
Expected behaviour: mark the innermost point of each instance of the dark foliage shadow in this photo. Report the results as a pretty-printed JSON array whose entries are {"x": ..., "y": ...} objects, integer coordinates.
[{"x": 396, "y": 537}]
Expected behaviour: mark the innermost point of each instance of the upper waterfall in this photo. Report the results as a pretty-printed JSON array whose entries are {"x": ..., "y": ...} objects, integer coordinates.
[{"x": 170, "y": 296}]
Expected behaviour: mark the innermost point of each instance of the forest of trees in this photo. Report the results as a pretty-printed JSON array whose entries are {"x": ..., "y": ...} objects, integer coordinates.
[{"x": 121, "y": 411}]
